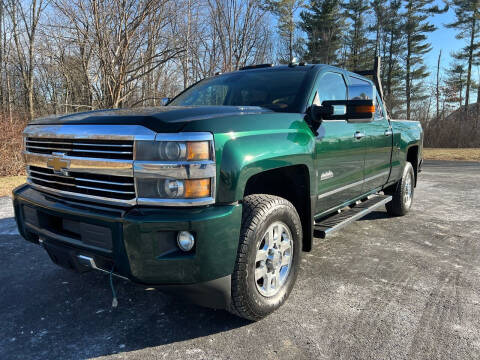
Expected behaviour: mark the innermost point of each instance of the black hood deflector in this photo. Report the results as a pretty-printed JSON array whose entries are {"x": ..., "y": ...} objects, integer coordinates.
[{"x": 161, "y": 119}]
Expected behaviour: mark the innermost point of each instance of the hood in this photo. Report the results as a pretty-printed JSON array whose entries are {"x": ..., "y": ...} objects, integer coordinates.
[{"x": 161, "y": 119}]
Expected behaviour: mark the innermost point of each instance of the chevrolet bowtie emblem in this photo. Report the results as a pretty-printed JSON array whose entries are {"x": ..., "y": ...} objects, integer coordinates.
[{"x": 58, "y": 165}]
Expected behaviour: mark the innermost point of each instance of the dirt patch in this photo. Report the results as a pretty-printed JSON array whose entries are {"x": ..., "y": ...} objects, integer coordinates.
[
  {"x": 8, "y": 183},
  {"x": 451, "y": 154}
]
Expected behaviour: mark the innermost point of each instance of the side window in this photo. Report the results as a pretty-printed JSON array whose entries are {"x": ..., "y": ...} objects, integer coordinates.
[
  {"x": 331, "y": 87},
  {"x": 359, "y": 89},
  {"x": 378, "y": 108}
]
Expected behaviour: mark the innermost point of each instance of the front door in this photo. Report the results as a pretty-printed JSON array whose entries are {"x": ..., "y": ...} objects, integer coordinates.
[
  {"x": 340, "y": 150},
  {"x": 379, "y": 149}
]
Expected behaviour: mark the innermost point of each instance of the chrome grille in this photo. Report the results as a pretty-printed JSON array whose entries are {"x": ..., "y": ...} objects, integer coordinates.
[
  {"x": 96, "y": 163},
  {"x": 97, "y": 185},
  {"x": 105, "y": 149}
]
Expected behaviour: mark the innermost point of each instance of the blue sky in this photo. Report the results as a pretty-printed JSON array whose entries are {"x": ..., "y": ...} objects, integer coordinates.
[{"x": 442, "y": 39}]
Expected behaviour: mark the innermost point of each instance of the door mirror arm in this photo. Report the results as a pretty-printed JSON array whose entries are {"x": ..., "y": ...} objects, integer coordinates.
[{"x": 315, "y": 115}]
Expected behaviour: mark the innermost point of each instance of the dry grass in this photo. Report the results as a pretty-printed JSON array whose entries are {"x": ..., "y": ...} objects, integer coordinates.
[
  {"x": 452, "y": 154},
  {"x": 11, "y": 146},
  {"x": 8, "y": 183}
]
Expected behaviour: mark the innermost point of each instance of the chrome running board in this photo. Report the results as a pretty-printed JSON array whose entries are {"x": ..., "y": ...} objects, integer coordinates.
[{"x": 333, "y": 223}]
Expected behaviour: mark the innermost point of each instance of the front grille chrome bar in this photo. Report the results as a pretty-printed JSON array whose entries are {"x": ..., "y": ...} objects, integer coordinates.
[
  {"x": 82, "y": 187},
  {"x": 77, "y": 196},
  {"x": 97, "y": 185},
  {"x": 123, "y": 150},
  {"x": 40, "y": 142},
  {"x": 85, "y": 165}
]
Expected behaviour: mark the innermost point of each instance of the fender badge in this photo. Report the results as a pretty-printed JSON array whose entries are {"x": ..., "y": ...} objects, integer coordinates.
[{"x": 326, "y": 175}]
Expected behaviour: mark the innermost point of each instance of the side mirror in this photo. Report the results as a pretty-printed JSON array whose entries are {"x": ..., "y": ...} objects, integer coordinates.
[
  {"x": 165, "y": 101},
  {"x": 354, "y": 111}
]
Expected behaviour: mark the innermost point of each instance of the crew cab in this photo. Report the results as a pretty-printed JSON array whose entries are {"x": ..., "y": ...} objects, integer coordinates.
[{"x": 217, "y": 194}]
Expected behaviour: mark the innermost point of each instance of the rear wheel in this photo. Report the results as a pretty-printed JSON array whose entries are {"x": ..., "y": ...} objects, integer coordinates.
[
  {"x": 402, "y": 193},
  {"x": 268, "y": 256}
]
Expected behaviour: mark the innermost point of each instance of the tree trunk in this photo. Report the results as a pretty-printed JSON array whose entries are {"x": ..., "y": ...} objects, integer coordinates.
[
  {"x": 407, "y": 77},
  {"x": 389, "y": 72},
  {"x": 475, "y": 123},
  {"x": 290, "y": 46},
  {"x": 437, "y": 93},
  {"x": 470, "y": 61},
  {"x": 9, "y": 98},
  {"x": 2, "y": 44}
]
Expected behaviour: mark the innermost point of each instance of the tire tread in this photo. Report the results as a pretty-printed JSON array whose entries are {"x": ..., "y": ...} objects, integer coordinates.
[
  {"x": 255, "y": 208},
  {"x": 396, "y": 206}
]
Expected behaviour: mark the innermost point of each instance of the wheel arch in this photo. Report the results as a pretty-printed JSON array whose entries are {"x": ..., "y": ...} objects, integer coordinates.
[
  {"x": 412, "y": 157},
  {"x": 293, "y": 184}
]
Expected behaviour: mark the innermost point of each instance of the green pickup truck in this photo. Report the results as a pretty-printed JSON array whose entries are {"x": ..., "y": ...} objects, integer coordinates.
[{"x": 216, "y": 195}]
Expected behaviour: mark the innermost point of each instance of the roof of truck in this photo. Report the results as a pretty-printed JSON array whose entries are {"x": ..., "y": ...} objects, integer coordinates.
[{"x": 299, "y": 67}]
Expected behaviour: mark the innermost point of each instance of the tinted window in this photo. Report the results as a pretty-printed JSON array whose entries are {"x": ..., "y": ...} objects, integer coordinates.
[
  {"x": 359, "y": 89},
  {"x": 213, "y": 94},
  {"x": 278, "y": 90},
  {"x": 331, "y": 87}
]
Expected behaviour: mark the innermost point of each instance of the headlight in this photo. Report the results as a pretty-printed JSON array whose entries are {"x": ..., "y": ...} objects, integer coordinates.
[
  {"x": 175, "y": 169},
  {"x": 171, "y": 188},
  {"x": 172, "y": 150},
  {"x": 174, "y": 189}
]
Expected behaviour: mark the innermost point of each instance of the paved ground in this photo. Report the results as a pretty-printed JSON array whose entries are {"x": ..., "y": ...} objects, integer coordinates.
[{"x": 383, "y": 288}]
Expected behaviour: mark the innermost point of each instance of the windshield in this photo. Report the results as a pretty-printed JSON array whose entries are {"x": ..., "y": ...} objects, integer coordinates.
[{"x": 278, "y": 90}]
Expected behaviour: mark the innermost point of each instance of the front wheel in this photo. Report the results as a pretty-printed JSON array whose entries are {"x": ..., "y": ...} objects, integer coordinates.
[
  {"x": 268, "y": 256},
  {"x": 402, "y": 193}
]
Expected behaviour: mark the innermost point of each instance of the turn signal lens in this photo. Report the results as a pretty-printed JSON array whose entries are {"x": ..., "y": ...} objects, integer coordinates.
[
  {"x": 369, "y": 109},
  {"x": 198, "y": 150},
  {"x": 197, "y": 188}
]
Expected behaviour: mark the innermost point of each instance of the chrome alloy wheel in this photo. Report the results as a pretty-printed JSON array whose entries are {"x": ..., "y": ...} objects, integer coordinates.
[
  {"x": 273, "y": 259},
  {"x": 407, "y": 195}
]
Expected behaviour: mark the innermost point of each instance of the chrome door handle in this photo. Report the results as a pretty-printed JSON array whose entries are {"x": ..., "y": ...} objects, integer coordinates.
[
  {"x": 358, "y": 135},
  {"x": 388, "y": 132}
]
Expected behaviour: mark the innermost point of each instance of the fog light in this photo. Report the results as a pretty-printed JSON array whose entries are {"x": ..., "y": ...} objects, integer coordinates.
[{"x": 185, "y": 241}]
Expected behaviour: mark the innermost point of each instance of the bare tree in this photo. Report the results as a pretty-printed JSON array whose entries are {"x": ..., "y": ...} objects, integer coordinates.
[
  {"x": 240, "y": 27},
  {"x": 25, "y": 19}
]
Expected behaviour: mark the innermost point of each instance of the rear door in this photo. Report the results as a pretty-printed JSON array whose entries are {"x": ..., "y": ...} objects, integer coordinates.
[
  {"x": 340, "y": 149},
  {"x": 379, "y": 148}
]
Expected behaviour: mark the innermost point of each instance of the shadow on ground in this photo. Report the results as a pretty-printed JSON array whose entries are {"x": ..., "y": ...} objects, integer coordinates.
[
  {"x": 375, "y": 215},
  {"x": 49, "y": 312}
]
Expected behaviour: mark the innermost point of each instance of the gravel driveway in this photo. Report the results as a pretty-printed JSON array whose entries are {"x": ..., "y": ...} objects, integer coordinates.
[{"x": 381, "y": 288}]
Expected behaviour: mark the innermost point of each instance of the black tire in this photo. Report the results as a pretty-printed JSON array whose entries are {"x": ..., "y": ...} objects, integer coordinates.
[
  {"x": 260, "y": 212},
  {"x": 399, "y": 206}
]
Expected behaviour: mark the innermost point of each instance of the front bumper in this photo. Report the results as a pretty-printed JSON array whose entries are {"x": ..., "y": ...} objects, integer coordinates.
[{"x": 137, "y": 243}]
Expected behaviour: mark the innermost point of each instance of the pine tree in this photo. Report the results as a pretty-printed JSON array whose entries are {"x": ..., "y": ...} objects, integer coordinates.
[
  {"x": 416, "y": 29},
  {"x": 323, "y": 24},
  {"x": 356, "y": 36},
  {"x": 285, "y": 12},
  {"x": 394, "y": 72},
  {"x": 380, "y": 10},
  {"x": 468, "y": 26},
  {"x": 455, "y": 83}
]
